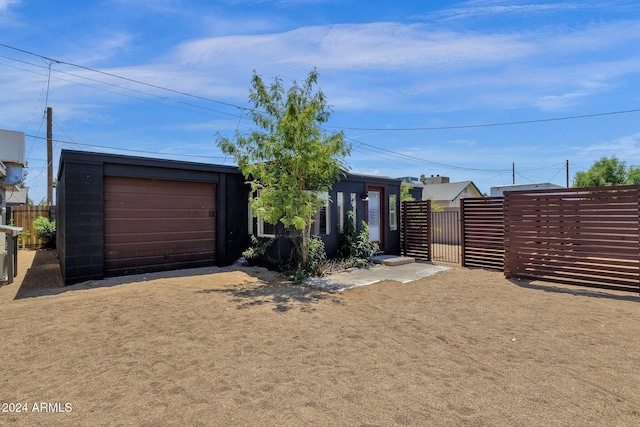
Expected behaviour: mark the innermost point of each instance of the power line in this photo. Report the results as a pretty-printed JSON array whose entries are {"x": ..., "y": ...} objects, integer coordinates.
[
  {"x": 362, "y": 145},
  {"x": 121, "y": 87},
  {"x": 419, "y": 160},
  {"x": 480, "y": 125},
  {"x": 125, "y": 149},
  {"x": 521, "y": 122},
  {"x": 124, "y": 78}
]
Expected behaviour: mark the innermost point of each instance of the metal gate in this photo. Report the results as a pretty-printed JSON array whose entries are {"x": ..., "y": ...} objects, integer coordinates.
[{"x": 445, "y": 236}]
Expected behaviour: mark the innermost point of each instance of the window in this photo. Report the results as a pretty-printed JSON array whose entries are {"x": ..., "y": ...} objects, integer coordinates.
[
  {"x": 340, "y": 203},
  {"x": 264, "y": 228},
  {"x": 393, "y": 212},
  {"x": 321, "y": 223}
]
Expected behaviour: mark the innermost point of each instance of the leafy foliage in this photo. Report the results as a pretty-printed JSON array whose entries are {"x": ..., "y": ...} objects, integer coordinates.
[
  {"x": 45, "y": 231},
  {"x": 405, "y": 196},
  {"x": 347, "y": 237},
  {"x": 315, "y": 263},
  {"x": 356, "y": 246},
  {"x": 257, "y": 248},
  {"x": 290, "y": 160},
  {"x": 365, "y": 248},
  {"x": 607, "y": 172},
  {"x": 435, "y": 207}
]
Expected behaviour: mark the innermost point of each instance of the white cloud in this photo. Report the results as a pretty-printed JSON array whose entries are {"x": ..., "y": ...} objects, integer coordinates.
[
  {"x": 476, "y": 9},
  {"x": 382, "y": 46},
  {"x": 626, "y": 148},
  {"x": 4, "y": 4}
]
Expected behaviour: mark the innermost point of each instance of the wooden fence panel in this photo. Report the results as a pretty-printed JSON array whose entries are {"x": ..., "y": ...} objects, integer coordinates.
[
  {"x": 587, "y": 237},
  {"x": 23, "y": 216},
  {"x": 482, "y": 224},
  {"x": 416, "y": 229}
]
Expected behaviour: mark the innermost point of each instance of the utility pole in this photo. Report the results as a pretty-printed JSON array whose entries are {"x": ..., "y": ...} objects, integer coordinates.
[
  {"x": 49, "y": 156},
  {"x": 567, "y": 173},
  {"x": 513, "y": 173}
]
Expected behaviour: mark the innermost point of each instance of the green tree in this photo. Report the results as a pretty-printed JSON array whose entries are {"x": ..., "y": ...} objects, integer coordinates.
[
  {"x": 289, "y": 160},
  {"x": 633, "y": 175},
  {"x": 606, "y": 172},
  {"x": 405, "y": 195}
]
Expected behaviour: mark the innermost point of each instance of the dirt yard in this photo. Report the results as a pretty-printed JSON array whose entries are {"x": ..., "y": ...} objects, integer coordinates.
[{"x": 208, "y": 347}]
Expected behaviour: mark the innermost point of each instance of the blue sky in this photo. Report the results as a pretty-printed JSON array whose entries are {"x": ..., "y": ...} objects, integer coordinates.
[{"x": 416, "y": 86}]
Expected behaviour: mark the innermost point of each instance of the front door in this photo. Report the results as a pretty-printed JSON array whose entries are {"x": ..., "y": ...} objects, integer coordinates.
[{"x": 374, "y": 215}]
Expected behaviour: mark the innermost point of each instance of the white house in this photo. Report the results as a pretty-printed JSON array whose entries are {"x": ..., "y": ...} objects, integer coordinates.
[
  {"x": 448, "y": 194},
  {"x": 499, "y": 190},
  {"x": 12, "y": 161}
]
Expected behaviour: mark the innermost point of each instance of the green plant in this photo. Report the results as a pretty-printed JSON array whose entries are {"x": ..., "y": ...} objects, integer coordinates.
[
  {"x": 289, "y": 157},
  {"x": 257, "y": 248},
  {"x": 365, "y": 249},
  {"x": 45, "y": 231},
  {"x": 405, "y": 196},
  {"x": 356, "y": 246},
  {"x": 316, "y": 260},
  {"x": 317, "y": 255},
  {"x": 23, "y": 238},
  {"x": 347, "y": 237}
]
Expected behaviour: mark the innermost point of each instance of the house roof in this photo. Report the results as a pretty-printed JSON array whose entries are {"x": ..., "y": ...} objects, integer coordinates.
[
  {"x": 449, "y": 191},
  {"x": 17, "y": 196}
]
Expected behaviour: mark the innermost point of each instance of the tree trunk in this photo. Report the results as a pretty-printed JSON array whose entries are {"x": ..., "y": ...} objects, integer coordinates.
[{"x": 304, "y": 249}]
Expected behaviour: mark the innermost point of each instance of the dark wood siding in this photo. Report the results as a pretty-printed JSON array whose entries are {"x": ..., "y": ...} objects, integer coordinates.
[{"x": 153, "y": 224}]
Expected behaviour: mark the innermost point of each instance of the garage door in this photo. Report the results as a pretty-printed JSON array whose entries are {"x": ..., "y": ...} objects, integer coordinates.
[{"x": 153, "y": 225}]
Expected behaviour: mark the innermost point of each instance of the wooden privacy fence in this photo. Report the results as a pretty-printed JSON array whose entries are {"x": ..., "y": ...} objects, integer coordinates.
[
  {"x": 587, "y": 236},
  {"x": 482, "y": 223},
  {"x": 416, "y": 229},
  {"x": 23, "y": 216}
]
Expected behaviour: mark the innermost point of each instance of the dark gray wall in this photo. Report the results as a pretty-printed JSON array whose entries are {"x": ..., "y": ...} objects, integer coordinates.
[
  {"x": 80, "y": 206},
  {"x": 358, "y": 184}
]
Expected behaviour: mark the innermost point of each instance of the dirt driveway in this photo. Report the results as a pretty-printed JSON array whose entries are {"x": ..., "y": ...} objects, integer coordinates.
[{"x": 463, "y": 347}]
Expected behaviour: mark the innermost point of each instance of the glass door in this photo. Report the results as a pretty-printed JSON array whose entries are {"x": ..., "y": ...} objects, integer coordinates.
[{"x": 374, "y": 216}]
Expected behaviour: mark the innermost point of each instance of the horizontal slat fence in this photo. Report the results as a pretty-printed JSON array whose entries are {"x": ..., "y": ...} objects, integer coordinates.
[
  {"x": 482, "y": 224},
  {"x": 23, "y": 216},
  {"x": 416, "y": 229},
  {"x": 587, "y": 237}
]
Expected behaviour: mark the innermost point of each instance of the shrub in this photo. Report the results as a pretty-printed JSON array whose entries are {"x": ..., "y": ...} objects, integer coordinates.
[
  {"x": 355, "y": 246},
  {"x": 365, "y": 249},
  {"x": 45, "y": 231},
  {"x": 347, "y": 237},
  {"x": 315, "y": 263},
  {"x": 317, "y": 256},
  {"x": 256, "y": 249}
]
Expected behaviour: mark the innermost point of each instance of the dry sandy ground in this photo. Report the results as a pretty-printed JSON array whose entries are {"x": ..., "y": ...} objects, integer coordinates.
[{"x": 463, "y": 347}]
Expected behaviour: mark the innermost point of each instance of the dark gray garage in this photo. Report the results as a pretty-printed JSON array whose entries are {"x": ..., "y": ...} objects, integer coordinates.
[{"x": 125, "y": 215}]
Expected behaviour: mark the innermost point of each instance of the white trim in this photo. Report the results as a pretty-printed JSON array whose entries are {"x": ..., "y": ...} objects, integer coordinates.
[
  {"x": 393, "y": 212},
  {"x": 316, "y": 221},
  {"x": 340, "y": 203}
]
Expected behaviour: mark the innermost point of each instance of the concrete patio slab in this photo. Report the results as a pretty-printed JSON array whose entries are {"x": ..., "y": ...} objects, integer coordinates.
[
  {"x": 393, "y": 260},
  {"x": 377, "y": 273}
]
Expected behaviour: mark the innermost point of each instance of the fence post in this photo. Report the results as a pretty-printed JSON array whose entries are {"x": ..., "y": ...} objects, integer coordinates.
[
  {"x": 429, "y": 232},
  {"x": 462, "y": 230},
  {"x": 404, "y": 227}
]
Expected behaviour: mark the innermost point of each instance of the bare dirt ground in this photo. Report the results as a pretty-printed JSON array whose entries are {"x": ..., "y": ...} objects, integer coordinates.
[{"x": 209, "y": 347}]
